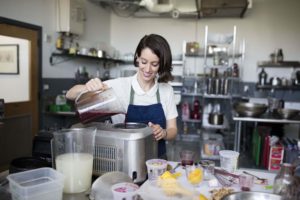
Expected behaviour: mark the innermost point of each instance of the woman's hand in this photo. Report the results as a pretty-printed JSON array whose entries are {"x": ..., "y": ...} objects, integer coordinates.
[
  {"x": 95, "y": 84},
  {"x": 158, "y": 132}
]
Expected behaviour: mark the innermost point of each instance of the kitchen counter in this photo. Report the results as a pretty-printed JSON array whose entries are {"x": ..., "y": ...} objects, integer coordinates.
[{"x": 149, "y": 191}]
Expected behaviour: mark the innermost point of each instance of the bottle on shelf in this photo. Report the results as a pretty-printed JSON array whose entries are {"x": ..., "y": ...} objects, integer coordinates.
[
  {"x": 279, "y": 55},
  {"x": 196, "y": 110},
  {"x": 59, "y": 44},
  {"x": 235, "y": 70},
  {"x": 185, "y": 110},
  {"x": 262, "y": 77}
]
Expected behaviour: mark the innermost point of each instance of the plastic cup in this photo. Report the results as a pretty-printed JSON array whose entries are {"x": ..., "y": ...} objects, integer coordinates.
[
  {"x": 246, "y": 182},
  {"x": 229, "y": 160},
  {"x": 73, "y": 153},
  {"x": 124, "y": 190},
  {"x": 208, "y": 168},
  {"x": 194, "y": 174},
  {"x": 155, "y": 168},
  {"x": 187, "y": 157}
]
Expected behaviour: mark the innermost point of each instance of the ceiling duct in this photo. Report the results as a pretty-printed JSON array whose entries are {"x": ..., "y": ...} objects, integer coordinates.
[{"x": 176, "y": 8}]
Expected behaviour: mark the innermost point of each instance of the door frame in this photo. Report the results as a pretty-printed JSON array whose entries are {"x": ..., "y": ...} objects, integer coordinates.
[{"x": 38, "y": 30}]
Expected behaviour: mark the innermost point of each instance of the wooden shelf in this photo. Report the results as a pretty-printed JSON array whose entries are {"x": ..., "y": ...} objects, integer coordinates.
[
  {"x": 68, "y": 56},
  {"x": 279, "y": 64},
  {"x": 270, "y": 87}
]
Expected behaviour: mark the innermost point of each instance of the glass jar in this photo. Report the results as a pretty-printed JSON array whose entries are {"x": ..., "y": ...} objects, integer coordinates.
[{"x": 283, "y": 181}]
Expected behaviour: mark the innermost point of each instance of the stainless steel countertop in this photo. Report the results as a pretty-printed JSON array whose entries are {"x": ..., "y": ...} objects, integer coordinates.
[{"x": 268, "y": 119}]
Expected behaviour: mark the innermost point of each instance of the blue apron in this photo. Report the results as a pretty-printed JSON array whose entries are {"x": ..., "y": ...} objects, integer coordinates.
[{"x": 151, "y": 113}]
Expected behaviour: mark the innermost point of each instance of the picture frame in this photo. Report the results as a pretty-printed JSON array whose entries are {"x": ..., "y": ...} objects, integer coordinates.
[{"x": 9, "y": 59}]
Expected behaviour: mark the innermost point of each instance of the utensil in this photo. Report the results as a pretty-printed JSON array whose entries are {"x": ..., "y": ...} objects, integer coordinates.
[
  {"x": 216, "y": 118},
  {"x": 252, "y": 195},
  {"x": 286, "y": 113},
  {"x": 247, "y": 109},
  {"x": 275, "y": 81},
  {"x": 263, "y": 180},
  {"x": 174, "y": 169}
]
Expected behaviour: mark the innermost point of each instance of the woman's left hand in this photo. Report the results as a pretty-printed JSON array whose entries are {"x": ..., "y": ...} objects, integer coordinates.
[{"x": 158, "y": 132}]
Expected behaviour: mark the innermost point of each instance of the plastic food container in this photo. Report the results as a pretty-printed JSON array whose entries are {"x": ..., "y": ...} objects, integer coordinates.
[
  {"x": 229, "y": 160},
  {"x": 43, "y": 183},
  {"x": 155, "y": 168},
  {"x": 124, "y": 190}
]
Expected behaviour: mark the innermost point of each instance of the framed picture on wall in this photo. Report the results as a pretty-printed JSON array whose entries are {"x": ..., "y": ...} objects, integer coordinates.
[{"x": 9, "y": 59}]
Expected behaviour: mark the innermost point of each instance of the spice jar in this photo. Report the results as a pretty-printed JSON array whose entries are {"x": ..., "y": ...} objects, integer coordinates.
[{"x": 283, "y": 181}]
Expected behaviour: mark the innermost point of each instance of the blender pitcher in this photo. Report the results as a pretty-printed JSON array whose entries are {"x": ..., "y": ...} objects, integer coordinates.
[
  {"x": 72, "y": 151},
  {"x": 91, "y": 105}
]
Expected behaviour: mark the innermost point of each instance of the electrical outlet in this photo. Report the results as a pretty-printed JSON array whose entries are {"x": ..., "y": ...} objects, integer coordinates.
[{"x": 46, "y": 87}]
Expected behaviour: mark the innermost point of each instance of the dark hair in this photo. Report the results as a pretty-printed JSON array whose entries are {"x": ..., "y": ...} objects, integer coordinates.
[{"x": 160, "y": 47}]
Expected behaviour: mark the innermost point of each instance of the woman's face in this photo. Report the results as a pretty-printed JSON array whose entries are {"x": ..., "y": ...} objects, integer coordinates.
[{"x": 148, "y": 65}]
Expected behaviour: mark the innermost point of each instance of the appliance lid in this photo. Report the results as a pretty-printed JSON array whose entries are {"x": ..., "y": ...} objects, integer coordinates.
[{"x": 133, "y": 131}]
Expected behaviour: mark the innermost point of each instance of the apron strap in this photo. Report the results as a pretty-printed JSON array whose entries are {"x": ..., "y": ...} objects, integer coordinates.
[{"x": 132, "y": 95}]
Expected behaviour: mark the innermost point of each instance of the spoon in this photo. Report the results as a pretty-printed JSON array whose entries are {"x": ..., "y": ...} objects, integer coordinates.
[
  {"x": 264, "y": 180},
  {"x": 173, "y": 170}
]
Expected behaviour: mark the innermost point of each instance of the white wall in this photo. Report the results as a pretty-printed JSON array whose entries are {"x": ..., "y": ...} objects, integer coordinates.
[
  {"x": 42, "y": 13},
  {"x": 269, "y": 24},
  {"x": 15, "y": 87}
]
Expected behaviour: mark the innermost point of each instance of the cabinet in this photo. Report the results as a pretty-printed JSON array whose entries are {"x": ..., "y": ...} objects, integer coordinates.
[
  {"x": 213, "y": 78},
  {"x": 290, "y": 80}
]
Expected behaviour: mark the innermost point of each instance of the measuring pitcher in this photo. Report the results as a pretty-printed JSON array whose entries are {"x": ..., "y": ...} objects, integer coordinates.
[
  {"x": 72, "y": 150},
  {"x": 91, "y": 105}
]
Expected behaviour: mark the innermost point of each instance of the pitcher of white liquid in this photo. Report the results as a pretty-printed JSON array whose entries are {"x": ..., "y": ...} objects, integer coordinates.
[{"x": 72, "y": 151}]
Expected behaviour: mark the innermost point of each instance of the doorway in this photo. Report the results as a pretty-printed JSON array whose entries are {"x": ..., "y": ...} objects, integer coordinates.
[{"x": 21, "y": 118}]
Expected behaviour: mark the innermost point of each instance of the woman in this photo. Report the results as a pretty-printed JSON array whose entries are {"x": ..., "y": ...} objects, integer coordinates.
[{"x": 147, "y": 96}]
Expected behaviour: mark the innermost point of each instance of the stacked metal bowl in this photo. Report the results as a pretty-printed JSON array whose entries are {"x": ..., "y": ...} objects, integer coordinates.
[
  {"x": 286, "y": 113},
  {"x": 246, "y": 109}
]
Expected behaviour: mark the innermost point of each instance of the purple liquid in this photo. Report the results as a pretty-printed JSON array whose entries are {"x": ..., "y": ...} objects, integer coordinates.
[
  {"x": 91, "y": 116},
  {"x": 245, "y": 189},
  {"x": 187, "y": 162}
]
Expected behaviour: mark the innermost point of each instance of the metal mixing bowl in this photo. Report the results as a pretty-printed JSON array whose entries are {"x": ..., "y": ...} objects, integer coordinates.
[
  {"x": 247, "y": 109},
  {"x": 252, "y": 196},
  {"x": 286, "y": 113}
]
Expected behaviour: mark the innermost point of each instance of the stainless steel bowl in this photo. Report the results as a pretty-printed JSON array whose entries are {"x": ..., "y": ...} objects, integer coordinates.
[
  {"x": 246, "y": 109},
  {"x": 252, "y": 196},
  {"x": 286, "y": 113}
]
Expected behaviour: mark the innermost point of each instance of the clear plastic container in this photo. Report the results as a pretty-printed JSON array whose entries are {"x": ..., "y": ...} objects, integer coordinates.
[
  {"x": 43, "y": 183},
  {"x": 212, "y": 144},
  {"x": 96, "y": 104},
  {"x": 155, "y": 168}
]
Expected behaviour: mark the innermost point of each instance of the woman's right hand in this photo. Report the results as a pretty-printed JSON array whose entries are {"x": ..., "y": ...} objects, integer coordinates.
[
  {"x": 92, "y": 85},
  {"x": 95, "y": 84}
]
